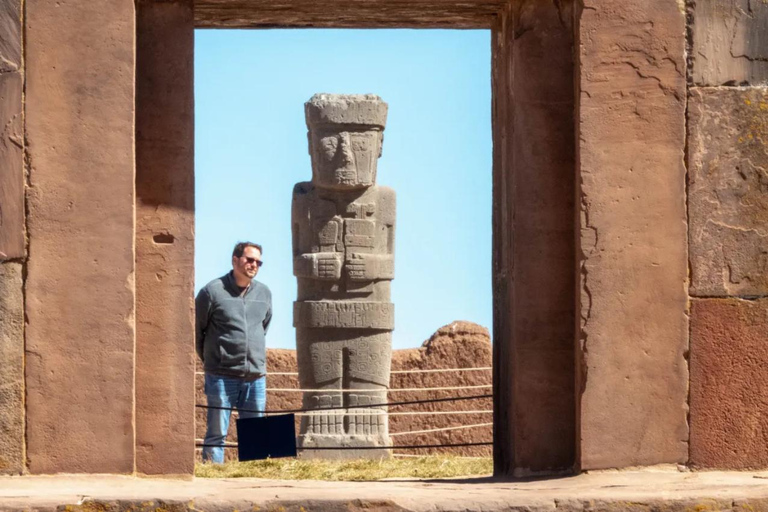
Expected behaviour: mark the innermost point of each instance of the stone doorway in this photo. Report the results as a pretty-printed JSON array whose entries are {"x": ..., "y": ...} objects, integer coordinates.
[{"x": 533, "y": 212}]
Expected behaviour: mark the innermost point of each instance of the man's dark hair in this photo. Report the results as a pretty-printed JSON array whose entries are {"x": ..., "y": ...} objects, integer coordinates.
[{"x": 240, "y": 248}]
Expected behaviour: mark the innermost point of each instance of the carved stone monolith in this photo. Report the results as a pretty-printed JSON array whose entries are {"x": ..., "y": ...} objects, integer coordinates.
[{"x": 343, "y": 228}]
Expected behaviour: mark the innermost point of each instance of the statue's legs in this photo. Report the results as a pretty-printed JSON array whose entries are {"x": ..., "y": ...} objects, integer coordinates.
[
  {"x": 320, "y": 368},
  {"x": 352, "y": 369},
  {"x": 369, "y": 359}
]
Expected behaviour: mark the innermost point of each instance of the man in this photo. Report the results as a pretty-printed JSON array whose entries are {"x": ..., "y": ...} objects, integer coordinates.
[{"x": 233, "y": 313}]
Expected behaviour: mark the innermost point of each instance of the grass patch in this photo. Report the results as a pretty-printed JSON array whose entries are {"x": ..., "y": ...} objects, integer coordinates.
[{"x": 432, "y": 466}]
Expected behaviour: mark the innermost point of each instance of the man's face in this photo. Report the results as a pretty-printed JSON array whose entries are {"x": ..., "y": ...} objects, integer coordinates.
[
  {"x": 344, "y": 158},
  {"x": 247, "y": 265}
]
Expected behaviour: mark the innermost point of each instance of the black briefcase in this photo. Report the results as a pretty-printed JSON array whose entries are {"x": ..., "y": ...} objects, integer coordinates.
[{"x": 266, "y": 437}]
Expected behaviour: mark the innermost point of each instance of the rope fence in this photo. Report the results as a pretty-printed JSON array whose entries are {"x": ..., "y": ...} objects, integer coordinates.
[
  {"x": 388, "y": 390},
  {"x": 366, "y": 410},
  {"x": 429, "y": 370},
  {"x": 443, "y": 429}
]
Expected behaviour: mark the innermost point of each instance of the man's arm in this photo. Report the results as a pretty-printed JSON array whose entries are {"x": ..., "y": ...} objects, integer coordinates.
[
  {"x": 268, "y": 316},
  {"x": 202, "y": 311}
]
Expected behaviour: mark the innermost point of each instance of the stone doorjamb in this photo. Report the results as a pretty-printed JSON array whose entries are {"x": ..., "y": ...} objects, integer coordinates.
[{"x": 533, "y": 203}]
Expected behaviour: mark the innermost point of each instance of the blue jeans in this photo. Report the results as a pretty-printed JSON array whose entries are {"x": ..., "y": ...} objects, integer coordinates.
[{"x": 245, "y": 396}]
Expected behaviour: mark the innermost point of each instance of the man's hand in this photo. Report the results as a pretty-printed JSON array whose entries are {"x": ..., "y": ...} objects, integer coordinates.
[{"x": 318, "y": 265}]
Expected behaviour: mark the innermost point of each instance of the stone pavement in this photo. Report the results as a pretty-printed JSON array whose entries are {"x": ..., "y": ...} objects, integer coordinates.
[{"x": 647, "y": 490}]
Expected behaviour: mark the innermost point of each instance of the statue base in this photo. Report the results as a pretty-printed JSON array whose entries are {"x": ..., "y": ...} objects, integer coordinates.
[{"x": 375, "y": 447}]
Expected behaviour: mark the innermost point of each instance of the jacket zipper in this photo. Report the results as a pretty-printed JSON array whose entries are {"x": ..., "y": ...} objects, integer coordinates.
[{"x": 247, "y": 345}]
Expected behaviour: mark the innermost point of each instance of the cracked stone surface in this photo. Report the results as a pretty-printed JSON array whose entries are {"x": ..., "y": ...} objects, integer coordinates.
[
  {"x": 730, "y": 42},
  {"x": 12, "y": 364},
  {"x": 729, "y": 362},
  {"x": 728, "y": 191},
  {"x": 634, "y": 328}
]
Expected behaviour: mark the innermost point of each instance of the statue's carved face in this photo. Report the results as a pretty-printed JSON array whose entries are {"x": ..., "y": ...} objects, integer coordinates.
[{"x": 344, "y": 158}]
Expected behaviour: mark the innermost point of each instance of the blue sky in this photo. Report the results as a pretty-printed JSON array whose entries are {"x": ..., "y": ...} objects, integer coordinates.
[{"x": 251, "y": 147}]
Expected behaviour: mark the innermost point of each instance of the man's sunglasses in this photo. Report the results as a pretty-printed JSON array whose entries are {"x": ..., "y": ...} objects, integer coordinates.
[{"x": 259, "y": 263}]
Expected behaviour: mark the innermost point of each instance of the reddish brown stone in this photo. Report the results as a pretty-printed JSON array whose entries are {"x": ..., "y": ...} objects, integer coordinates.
[
  {"x": 12, "y": 239},
  {"x": 544, "y": 272},
  {"x": 728, "y": 191},
  {"x": 346, "y": 14},
  {"x": 80, "y": 282},
  {"x": 164, "y": 238},
  {"x": 632, "y": 237},
  {"x": 729, "y": 366},
  {"x": 730, "y": 42},
  {"x": 533, "y": 187}
]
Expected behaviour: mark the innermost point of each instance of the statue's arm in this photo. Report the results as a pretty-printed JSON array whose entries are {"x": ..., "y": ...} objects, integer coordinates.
[
  {"x": 378, "y": 265},
  {"x": 308, "y": 264}
]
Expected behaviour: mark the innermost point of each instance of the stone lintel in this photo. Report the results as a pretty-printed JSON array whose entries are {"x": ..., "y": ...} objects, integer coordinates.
[{"x": 346, "y": 14}]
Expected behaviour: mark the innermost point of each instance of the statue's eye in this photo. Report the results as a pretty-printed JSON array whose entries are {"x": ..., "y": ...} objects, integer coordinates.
[
  {"x": 361, "y": 141},
  {"x": 329, "y": 145}
]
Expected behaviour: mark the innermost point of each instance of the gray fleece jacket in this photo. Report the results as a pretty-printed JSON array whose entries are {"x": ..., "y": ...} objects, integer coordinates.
[{"x": 231, "y": 328}]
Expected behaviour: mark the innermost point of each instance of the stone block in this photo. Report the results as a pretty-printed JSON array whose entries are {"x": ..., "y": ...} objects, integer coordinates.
[
  {"x": 79, "y": 66},
  {"x": 729, "y": 364},
  {"x": 12, "y": 241},
  {"x": 12, "y": 363},
  {"x": 533, "y": 219},
  {"x": 164, "y": 238},
  {"x": 728, "y": 191},
  {"x": 10, "y": 35},
  {"x": 543, "y": 417},
  {"x": 730, "y": 42},
  {"x": 632, "y": 239}
]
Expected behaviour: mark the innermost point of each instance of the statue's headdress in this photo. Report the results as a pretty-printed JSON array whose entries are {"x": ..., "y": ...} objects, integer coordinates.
[{"x": 348, "y": 109}]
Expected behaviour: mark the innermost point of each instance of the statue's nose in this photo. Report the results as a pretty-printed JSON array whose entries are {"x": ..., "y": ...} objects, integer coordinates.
[{"x": 345, "y": 147}]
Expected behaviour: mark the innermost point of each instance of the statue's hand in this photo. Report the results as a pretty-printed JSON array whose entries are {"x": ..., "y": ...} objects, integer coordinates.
[
  {"x": 358, "y": 266},
  {"x": 328, "y": 266},
  {"x": 319, "y": 265},
  {"x": 368, "y": 267}
]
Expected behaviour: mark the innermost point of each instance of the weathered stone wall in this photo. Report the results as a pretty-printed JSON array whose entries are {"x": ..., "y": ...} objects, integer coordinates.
[
  {"x": 105, "y": 209},
  {"x": 457, "y": 345},
  {"x": 633, "y": 380},
  {"x": 12, "y": 240},
  {"x": 79, "y": 119},
  {"x": 165, "y": 248},
  {"x": 728, "y": 237},
  {"x": 534, "y": 240}
]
